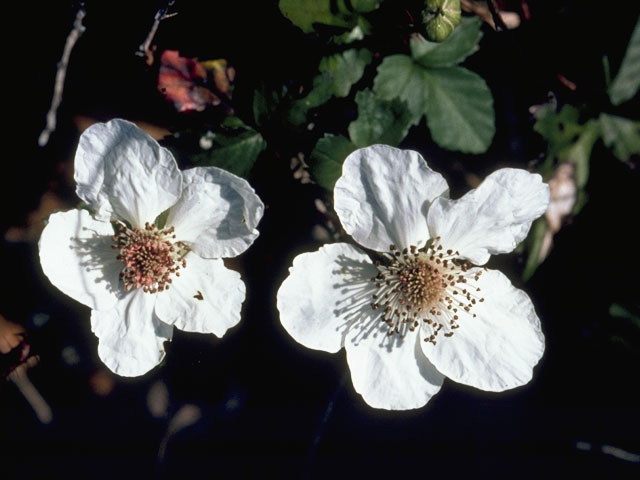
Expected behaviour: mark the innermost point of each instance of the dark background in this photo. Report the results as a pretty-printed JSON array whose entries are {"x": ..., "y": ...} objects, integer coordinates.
[{"x": 264, "y": 404}]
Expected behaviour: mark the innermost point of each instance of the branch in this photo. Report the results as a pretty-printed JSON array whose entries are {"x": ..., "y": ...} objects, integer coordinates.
[
  {"x": 487, "y": 11},
  {"x": 77, "y": 30},
  {"x": 19, "y": 377},
  {"x": 145, "y": 50},
  {"x": 495, "y": 14}
]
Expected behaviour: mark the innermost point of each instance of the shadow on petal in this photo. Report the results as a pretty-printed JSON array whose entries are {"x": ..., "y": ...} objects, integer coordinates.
[
  {"x": 357, "y": 289},
  {"x": 232, "y": 226},
  {"x": 98, "y": 255}
]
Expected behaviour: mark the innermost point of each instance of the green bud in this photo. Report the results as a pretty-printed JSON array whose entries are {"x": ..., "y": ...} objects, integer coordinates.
[{"x": 441, "y": 17}]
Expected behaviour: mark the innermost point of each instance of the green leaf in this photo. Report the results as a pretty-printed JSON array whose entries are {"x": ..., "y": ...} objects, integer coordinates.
[
  {"x": 363, "y": 6},
  {"x": 233, "y": 146},
  {"x": 355, "y": 34},
  {"x": 568, "y": 142},
  {"x": 379, "y": 120},
  {"x": 338, "y": 73},
  {"x": 579, "y": 152},
  {"x": 319, "y": 94},
  {"x": 559, "y": 129},
  {"x": 327, "y": 158},
  {"x": 621, "y": 134},
  {"x": 618, "y": 311},
  {"x": 346, "y": 69},
  {"x": 462, "y": 43},
  {"x": 399, "y": 77},
  {"x": 460, "y": 114},
  {"x": 533, "y": 246},
  {"x": 627, "y": 81},
  {"x": 457, "y": 102},
  {"x": 266, "y": 104},
  {"x": 306, "y": 13}
]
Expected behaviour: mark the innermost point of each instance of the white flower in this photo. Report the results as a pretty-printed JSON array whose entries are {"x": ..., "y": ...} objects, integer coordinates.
[
  {"x": 142, "y": 275},
  {"x": 424, "y": 310}
]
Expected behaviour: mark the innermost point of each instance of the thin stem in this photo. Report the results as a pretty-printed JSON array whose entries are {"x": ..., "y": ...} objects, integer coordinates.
[
  {"x": 497, "y": 19},
  {"x": 324, "y": 421},
  {"x": 607, "y": 71},
  {"x": 31, "y": 394},
  {"x": 145, "y": 50},
  {"x": 75, "y": 33}
]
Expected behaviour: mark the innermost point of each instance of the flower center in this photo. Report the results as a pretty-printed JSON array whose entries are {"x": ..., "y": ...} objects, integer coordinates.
[
  {"x": 427, "y": 286},
  {"x": 150, "y": 256}
]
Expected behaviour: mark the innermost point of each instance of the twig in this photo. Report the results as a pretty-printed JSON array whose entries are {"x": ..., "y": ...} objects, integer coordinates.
[
  {"x": 480, "y": 9},
  {"x": 324, "y": 421},
  {"x": 497, "y": 19},
  {"x": 77, "y": 30},
  {"x": 145, "y": 50},
  {"x": 19, "y": 377}
]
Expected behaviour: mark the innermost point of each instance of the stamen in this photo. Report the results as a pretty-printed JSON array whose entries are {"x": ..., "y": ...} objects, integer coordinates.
[
  {"x": 424, "y": 287},
  {"x": 150, "y": 256}
]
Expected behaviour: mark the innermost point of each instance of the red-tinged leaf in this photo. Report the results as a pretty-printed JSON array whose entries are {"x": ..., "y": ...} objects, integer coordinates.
[{"x": 189, "y": 84}]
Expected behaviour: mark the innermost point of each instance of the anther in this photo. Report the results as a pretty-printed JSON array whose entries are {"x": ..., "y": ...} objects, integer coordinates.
[{"x": 418, "y": 285}]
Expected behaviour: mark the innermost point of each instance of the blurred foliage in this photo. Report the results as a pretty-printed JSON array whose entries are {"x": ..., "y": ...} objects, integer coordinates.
[
  {"x": 625, "y": 85},
  {"x": 624, "y": 330},
  {"x": 571, "y": 134},
  {"x": 567, "y": 141},
  {"x": 307, "y": 14},
  {"x": 620, "y": 134},
  {"x": 533, "y": 246},
  {"x": 571, "y": 140},
  {"x": 618, "y": 311}
]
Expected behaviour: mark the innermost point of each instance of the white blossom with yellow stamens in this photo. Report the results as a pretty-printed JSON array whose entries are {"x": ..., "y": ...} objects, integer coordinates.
[{"x": 419, "y": 306}]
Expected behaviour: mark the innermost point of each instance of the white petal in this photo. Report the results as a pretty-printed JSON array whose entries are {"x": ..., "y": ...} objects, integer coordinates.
[
  {"x": 76, "y": 256},
  {"x": 130, "y": 336},
  {"x": 497, "y": 349},
  {"x": 390, "y": 372},
  {"x": 121, "y": 170},
  {"x": 324, "y": 292},
  {"x": 383, "y": 195},
  {"x": 217, "y": 213},
  {"x": 207, "y": 297},
  {"x": 492, "y": 218}
]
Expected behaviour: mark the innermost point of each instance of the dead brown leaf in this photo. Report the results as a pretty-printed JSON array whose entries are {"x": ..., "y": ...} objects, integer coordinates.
[{"x": 11, "y": 335}]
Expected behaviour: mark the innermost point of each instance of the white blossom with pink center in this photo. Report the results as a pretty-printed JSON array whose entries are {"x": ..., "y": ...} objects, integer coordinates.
[
  {"x": 149, "y": 255},
  {"x": 418, "y": 305}
]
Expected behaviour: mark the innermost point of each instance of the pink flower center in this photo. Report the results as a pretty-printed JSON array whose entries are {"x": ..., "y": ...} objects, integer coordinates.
[{"x": 150, "y": 256}]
